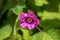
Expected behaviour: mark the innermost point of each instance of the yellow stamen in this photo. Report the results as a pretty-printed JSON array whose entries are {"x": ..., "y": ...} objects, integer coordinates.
[{"x": 29, "y": 20}]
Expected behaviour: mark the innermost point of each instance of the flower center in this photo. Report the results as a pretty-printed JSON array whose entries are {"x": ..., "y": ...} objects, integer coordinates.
[{"x": 29, "y": 20}]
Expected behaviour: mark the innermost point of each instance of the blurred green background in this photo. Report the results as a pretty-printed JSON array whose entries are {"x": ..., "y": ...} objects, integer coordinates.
[{"x": 47, "y": 11}]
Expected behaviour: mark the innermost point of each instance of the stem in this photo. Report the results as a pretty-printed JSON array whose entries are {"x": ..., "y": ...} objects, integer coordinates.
[
  {"x": 38, "y": 28},
  {"x": 14, "y": 36}
]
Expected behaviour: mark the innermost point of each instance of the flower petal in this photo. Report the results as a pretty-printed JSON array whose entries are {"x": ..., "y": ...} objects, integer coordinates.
[
  {"x": 24, "y": 21},
  {"x": 31, "y": 26},
  {"x": 32, "y": 15},
  {"x": 37, "y": 21},
  {"x": 23, "y": 25},
  {"x": 23, "y": 17}
]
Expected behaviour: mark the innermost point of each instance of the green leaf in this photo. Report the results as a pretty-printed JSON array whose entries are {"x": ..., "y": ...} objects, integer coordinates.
[
  {"x": 18, "y": 9},
  {"x": 55, "y": 33},
  {"x": 50, "y": 35},
  {"x": 5, "y": 31},
  {"x": 26, "y": 34},
  {"x": 50, "y": 15},
  {"x": 18, "y": 36},
  {"x": 40, "y": 2},
  {"x": 42, "y": 36},
  {"x": 49, "y": 20}
]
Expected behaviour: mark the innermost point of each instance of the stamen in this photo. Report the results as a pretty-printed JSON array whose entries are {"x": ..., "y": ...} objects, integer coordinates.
[{"x": 29, "y": 20}]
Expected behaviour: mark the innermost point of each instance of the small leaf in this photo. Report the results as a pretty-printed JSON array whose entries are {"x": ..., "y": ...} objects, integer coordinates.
[
  {"x": 17, "y": 9},
  {"x": 26, "y": 34},
  {"x": 5, "y": 31},
  {"x": 18, "y": 36}
]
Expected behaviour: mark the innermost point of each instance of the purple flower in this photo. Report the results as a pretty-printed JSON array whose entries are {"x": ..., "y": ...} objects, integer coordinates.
[{"x": 28, "y": 20}]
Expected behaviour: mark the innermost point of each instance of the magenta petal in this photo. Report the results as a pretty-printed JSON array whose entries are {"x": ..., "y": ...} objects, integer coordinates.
[
  {"x": 37, "y": 21},
  {"x": 23, "y": 25},
  {"x": 32, "y": 15},
  {"x": 23, "y": 17},
  {"x": 30, "y": 27}
]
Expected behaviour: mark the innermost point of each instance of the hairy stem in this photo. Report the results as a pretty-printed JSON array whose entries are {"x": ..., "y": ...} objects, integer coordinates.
[
  {"x": 14, "y": 32},
  {"x": 38, "y": 28}
]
